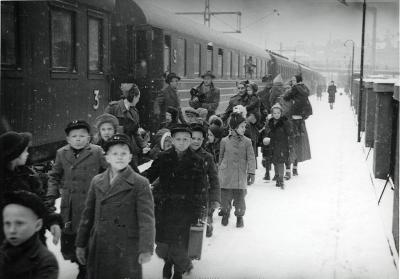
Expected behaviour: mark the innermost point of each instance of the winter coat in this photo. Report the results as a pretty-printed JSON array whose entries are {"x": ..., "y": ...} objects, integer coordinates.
[
  {"x": 213, "y": 149},
  {"x": 30, "y": 260},
  {"x": 168, "y": 97},
  {"x": 214, "y": 191},
  {"x": 129, "y": 122},
  {"x": 236, "y": 161},
  {"x": 25, "y": 178},
  {"x": 72, "y": 176},
  {"x": 180, "y": 197},
  {"x": 264, "y": 100},
  {"x": 117, "y": 225},
  {"x": 298, "y": 94},
  {"x": 281, "y": 134},
  {"x": 253, "y": 134},
  {"x": 235, "y": 100},
  {"x": 332, "y": 93},
  {"x": 209, "y": 99},
  {"x": 253, "y": 104}
]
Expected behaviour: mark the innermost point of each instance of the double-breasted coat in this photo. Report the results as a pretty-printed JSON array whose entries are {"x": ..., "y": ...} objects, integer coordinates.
[
  {"x": 180, "y": 196},
  {"x": 209, "y": 101},
  {"x": 73, "y": 176},
  {"x": 236, "y": 161},
  {"x": 117, "y": 225}
]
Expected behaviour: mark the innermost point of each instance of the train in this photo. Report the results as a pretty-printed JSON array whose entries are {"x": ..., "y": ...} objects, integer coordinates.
[{"x": 65, "y": 59}]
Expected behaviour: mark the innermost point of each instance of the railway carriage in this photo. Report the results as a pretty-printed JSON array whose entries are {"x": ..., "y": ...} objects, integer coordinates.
[{"x": 65, "y": 60}]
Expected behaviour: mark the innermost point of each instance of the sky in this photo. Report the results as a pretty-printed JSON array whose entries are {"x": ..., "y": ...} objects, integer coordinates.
[{"x": 299, "y": 21}]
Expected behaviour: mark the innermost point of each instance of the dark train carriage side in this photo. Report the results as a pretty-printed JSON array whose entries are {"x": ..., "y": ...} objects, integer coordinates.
[
  {"x": 282, "y": 65},
  {"x": 55, "y": 58},
  {"x": 149, "y": 42}
]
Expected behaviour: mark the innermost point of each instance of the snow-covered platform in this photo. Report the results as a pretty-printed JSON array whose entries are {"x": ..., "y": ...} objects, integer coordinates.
[{"x": 325, "y": 224}]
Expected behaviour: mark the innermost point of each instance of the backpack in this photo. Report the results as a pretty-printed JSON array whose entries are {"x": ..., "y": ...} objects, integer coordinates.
[{"x": 307, "y": 109}]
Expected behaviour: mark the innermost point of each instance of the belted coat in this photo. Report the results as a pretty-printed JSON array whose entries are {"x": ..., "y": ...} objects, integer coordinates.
[
  {"x": 70, "y": 177},
  {"x": 117, "y": 225},
  {"x": 236, "y": 161}
]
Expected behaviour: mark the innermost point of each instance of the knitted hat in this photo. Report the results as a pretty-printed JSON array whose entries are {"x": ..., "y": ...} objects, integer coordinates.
[
  {"x": 12, "y": 144},
  {"x": 216, "y": 130},
  {"x": 26, "y": 199},
  {"x": 277, "y": 105},
  {"x": 278, "y": 80},
  {"x": 235, "y": 119},
  {"x": 160, "y": 137},
  {"x": 118, "y": 139},
  {"x": 106, "y": 118},
  {"x": 77, "y": 124}
]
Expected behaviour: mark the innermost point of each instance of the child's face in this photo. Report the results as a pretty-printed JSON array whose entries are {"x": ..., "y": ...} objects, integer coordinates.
[
  {"x": 174, "y": 83},
  {"x": 21, "y": 159},
  {"x": 168, "y": 117},
  {"x": 191, "y": 118},
  {"x": 251, "y": 118},
  {"x": 167, "y": 143},
  {"x": 197, "y": 140},
  {"x": 249, "y": 90},
  {"x": 181, "y": 141},
  {"x": 119, "y": 156},
  {"x": 78, "y": 138},
  {"x": 241, "y": 128},
  {"x": 276, "y": 113},
  {"x": 211, "y": 137},
  {"x": 106, "y": 131},
  {"x": 19, "y": 223}
]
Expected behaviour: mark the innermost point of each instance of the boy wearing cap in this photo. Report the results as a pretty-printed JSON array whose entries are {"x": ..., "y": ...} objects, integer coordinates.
[
  {"x": 18, "y": 176},
  {"x": 199, "y": 133},
  {"x": 75, "y": 165},
  {"x": 23, "y": 255},
  {"x": 168, "y": 97},
  {"x": 180, "y": 200},
  {"x": 206, "y": 95},
  {"x": 116, "y": 231}
]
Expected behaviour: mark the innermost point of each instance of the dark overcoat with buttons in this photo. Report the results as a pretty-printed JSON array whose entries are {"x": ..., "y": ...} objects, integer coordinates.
[
  {"x": 70, "y": 177},
  {"x": 117, "y": 225},
  {"x": 180, "y": 196}
]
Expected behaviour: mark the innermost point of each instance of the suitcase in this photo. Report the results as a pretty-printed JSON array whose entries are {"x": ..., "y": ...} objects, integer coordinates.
[{"x": 196, "y": 237}]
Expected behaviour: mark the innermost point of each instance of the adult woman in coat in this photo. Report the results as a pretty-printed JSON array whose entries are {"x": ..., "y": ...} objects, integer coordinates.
[
  {"x": 298, "y": 94},
  {"x": 332, "y": 93}
]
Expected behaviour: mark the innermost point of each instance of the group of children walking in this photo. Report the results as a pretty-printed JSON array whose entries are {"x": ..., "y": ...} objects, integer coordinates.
[{"x": 110, "y": 214}]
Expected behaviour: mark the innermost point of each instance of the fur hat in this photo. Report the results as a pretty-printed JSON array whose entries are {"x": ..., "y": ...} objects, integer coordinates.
[
  {"x": 278, "y": 80},
  {"x": 235, "y": 119},
  {"x": 214, "y": 119},
  {"x": 12, "y": 144},
  {"x": 77, "y": 124},
  {"x": 106, "y": 118},
  {"x": 26, "y": 199},
  {"x": 216, "y": 130}
]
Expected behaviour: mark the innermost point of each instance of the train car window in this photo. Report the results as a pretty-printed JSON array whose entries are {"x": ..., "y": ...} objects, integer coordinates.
[
  {"x": 229, "y": 65},
  {"x": 197, "y": 59},
  {"x": 62, "y": 41},
  {"x": 181, "y": 56},
  {"x": 210, "y": 58},
  {"x": 220, "y": 62},
  {"x": 95, "y": 44},
  {"x": 167, "y": 53},
  {"x": 9, "y": 34}
]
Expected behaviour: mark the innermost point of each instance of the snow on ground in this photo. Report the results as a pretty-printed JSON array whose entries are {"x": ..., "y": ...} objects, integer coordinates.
[{"x": 325, "y": 224}]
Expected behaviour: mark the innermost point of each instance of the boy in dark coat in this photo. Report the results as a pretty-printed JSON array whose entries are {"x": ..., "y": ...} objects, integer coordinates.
[
  {"x": 180, "y": 200},
  {"x": 117, "y": 224},
  {"x": 18, "y": 176},
  {"x": 214, "y": 192},
  {"x": 75, "y": 166},
  {"x": 280, "y": 136},
  {"x": 23, "y": 255}
]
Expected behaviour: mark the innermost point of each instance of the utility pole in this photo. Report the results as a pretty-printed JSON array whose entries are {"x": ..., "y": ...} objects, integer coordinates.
[
  {"x": 361, "y": 74},
  {"x": 207, "y": 17}
]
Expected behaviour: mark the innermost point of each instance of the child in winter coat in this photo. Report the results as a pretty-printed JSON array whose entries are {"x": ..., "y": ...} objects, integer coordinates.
[
  {"x": 279, "y": 137},
  {"x": 162, "y": 141},
  {"x": 237, "y": 165},
  {"x": 106, "y": 126},
  {"x": 252, "y": 130},
  {"x": 117, "y": 225},
  {"x": 23, "y": 255},
  {"x": 18, "y": 176},
  {"x": 75, "y": 165},
  {"x": 215, "y": 132}
]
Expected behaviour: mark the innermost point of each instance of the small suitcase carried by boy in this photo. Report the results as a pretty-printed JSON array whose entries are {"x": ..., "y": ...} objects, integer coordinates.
[{"x": 196, "y": 237}]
